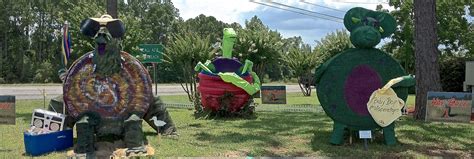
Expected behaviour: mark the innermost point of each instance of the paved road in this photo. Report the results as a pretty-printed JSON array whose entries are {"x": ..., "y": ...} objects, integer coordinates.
[{"x": 34, "y": 91}]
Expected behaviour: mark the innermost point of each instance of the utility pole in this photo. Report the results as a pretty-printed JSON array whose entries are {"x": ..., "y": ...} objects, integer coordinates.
[{"x": 112, "y": 8}]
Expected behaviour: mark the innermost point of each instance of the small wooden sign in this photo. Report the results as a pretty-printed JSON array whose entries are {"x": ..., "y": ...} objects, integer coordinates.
[
  {"x": 273, "y": 94},
  {"x": 7, "y": 110},
  {"x": 449, "y": 106}
]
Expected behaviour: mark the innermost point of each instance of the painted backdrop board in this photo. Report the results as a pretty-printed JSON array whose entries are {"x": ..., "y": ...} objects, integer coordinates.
[
  {"x": 273, "y": 94},
  {"x": 449, "y": 107},
  {"x": 7, "y": 110}
]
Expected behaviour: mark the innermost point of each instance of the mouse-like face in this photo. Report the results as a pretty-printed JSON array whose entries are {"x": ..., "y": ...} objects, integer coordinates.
[{"x": 368, "y": 27}]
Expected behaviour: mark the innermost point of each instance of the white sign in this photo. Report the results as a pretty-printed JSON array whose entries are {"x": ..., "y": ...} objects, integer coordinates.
[{"x": 365, "y": 134}]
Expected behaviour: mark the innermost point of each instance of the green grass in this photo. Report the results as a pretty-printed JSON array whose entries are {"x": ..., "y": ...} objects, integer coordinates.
[
  {"x": 271, "y": 134},
  {"x": 291, "y": 98}
]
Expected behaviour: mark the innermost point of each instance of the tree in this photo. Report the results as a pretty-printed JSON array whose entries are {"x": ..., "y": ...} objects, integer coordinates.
[
  {"x": 112, "y": 8},
  {"x": 302, "y": 61},
  {"x": 453, "y": 27},
  {"x": 426, "y": 53},
  {"x": 204, "y": 26},
  {"x": 184, "y": 52},
  {"x": 332, "y": 44},
  {"x": 258, "y": 44},
  {"x": 162, "y": 20}
]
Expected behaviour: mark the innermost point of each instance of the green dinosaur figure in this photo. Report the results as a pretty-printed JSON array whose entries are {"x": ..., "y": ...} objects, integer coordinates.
[
  {"x": 228, "y": 42},
  {"x": 346, "y": 81}
]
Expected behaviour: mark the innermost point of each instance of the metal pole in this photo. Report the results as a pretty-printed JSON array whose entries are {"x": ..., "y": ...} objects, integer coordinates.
[
  {"x": 154, "y": 78},
  {"x": 365, "y": 145}
]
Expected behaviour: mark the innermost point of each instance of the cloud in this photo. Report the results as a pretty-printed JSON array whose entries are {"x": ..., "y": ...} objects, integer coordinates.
[
  {"x": 287, "y": 23},
  {"x": 227, "y": 11}
]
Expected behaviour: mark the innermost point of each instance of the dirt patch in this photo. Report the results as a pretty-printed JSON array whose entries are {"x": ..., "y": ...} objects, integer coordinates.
[
  {"x": 278, "y": 150},
  {"x": 448, "y": 153},
  {"x": 234, "y": 154},
  {"x": 114, "y": 150}
]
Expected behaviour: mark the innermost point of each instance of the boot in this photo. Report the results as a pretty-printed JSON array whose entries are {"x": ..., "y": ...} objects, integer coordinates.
[
  {"x": 85, "y": 136},
  {"x": 134, "y": 138}
]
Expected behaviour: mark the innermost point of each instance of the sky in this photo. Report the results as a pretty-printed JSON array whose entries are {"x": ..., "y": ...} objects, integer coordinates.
[{"x": 289, "y": 24}]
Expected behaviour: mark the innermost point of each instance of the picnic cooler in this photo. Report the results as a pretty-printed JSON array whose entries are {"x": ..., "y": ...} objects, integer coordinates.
[{"x": 43, "y": 143}]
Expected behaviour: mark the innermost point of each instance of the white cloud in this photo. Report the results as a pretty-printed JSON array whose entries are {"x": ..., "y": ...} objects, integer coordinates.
[
  {"x": 225, "y": 10},
  {"x": 287, "y": 23}
]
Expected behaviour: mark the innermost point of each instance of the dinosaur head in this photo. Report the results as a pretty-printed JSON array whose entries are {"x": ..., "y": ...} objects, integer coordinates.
[
  {"x": 228, "y": 42},
  {"x": 107, "y": 33},
  {"x": 368, "y": 27}
]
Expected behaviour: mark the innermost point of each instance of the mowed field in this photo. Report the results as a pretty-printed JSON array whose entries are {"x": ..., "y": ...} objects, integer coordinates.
[{"x": 271, "y": 134}]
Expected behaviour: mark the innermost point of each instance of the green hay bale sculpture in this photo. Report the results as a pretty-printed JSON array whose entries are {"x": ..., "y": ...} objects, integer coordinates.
[{"x": 346, "y": 81}]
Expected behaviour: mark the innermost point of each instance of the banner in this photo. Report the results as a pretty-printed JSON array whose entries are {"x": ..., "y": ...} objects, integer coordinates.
[
  {"x": 273, "y": 94},
  {"x": 449, "y": 107},
  {"x": 7, "y": 110}
]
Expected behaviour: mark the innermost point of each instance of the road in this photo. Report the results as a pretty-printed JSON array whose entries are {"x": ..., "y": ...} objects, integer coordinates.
[{"x": 53, "y": 90}]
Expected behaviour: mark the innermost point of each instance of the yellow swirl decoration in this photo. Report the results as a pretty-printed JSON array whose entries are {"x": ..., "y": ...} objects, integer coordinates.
[{"x": 113, "y": 96}]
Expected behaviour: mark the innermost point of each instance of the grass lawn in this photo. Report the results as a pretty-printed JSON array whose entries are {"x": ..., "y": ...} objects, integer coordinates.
[
  {"x": 291, "y": 98},
  {"x": 272, "y": 134}
]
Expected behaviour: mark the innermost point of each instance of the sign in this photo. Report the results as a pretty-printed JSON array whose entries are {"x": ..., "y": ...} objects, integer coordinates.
[
  {"x": 273, "y": 94},
  {"x": 449, "y": 106},
  {"x": 152, "y": 53},
  {"x": 365, "y": 134},
  {"x": 7, "y": 110},
  {"x": 385, "y": 106}
]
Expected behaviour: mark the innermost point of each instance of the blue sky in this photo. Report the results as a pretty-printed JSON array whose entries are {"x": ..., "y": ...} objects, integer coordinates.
[{"x": 287, "y": 23}]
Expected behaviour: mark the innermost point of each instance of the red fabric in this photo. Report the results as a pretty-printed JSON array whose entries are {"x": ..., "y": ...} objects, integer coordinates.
[{"x": 213, "y": 87}]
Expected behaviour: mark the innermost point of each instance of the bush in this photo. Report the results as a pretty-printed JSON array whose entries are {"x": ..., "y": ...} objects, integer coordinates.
[
  {"x": 44, "y": 73},
  {"x": 452, "y": 73}
]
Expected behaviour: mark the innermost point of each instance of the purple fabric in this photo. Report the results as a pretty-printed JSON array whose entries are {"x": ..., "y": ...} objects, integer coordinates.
[
  {"x": 359, "y": 85},
  {"x": 226, "y": 65}
]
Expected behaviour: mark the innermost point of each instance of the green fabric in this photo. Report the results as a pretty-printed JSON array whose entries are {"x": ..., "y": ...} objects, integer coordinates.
[
  {"x": 247, "y": 67},
  {"x": 231, "y": 77},
  {"x": 199, "y": 66},
  {"x": 228, "y": 42}
]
